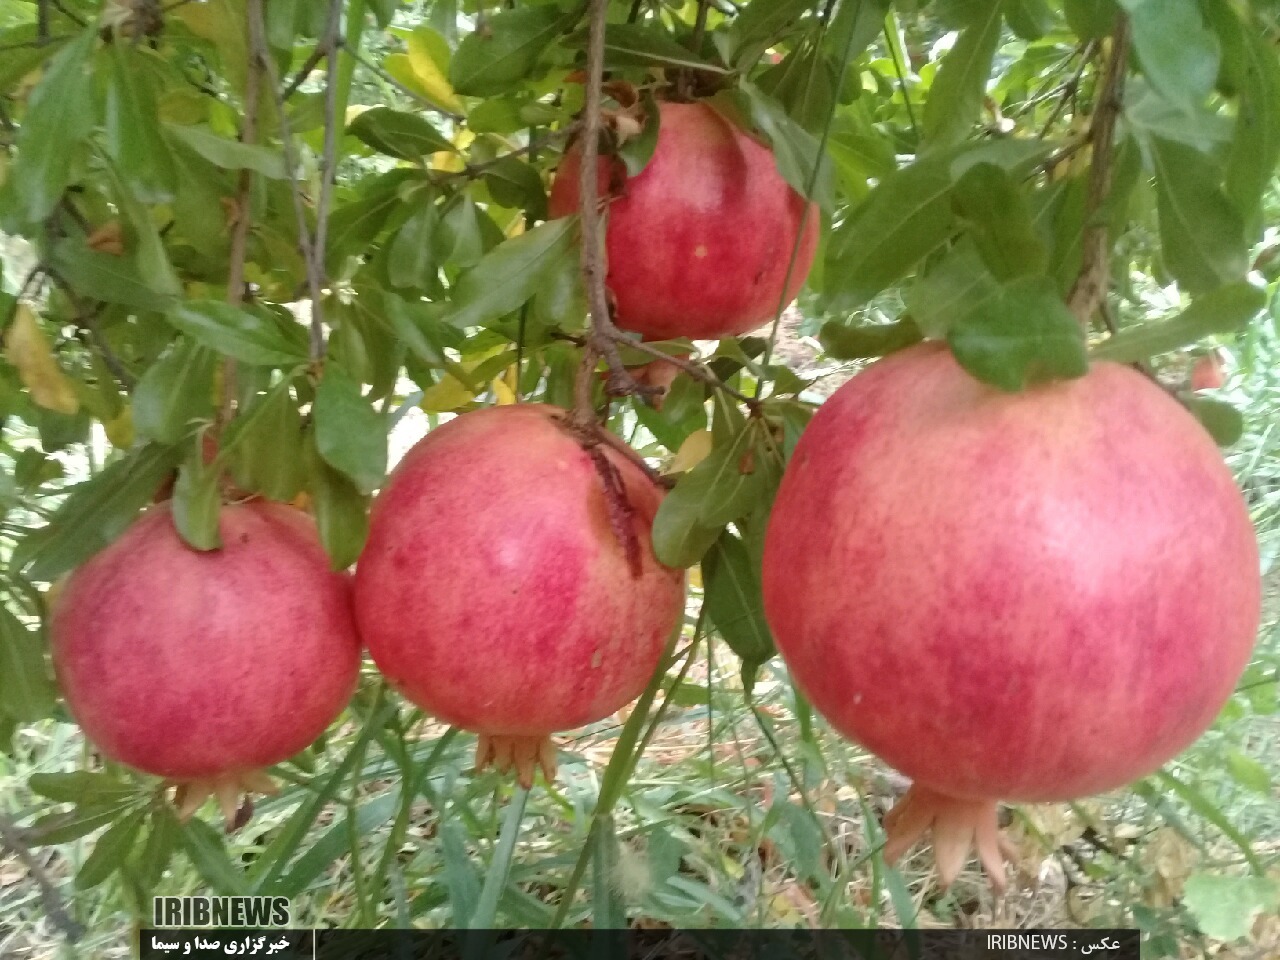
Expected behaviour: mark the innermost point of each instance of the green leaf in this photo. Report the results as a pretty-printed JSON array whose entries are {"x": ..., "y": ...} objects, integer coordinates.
[
  {"x": 679, "y": 536},
  {"x": 864, "y": 341},
  {"x": 795, "y": 149},
  {"x": 1255, "y": 147},
  {"x": 988, "y": 201},
  {"x": 197, "y": 502},
  {"x": 142, "y": 238},
  {"x": 1248, "y": 772},
  {"x": 350, "y": 434},
  {"x": 175, "y": 390},
  {"x": 106, "y": 277},
  {"x": 1223, "y": 310},
  {"x": 514, "y": 183},
  {"x": 761, "y": 22},
  {"x": 226, "y": 153},
  {"x": 1224, "y": 907},
  {"x": 26, "y": 688},
  {"x": 491, "y": 60},
  {"x": 111, "y": 850},
  {"x": 734, "y": 602},
  {"x": 341, "y": 510},
  {"x": 95, "y": 513},
  {"x": 398, "y": 134},
  {"x": 82, "y": 787},
  {"x": 511, "y": 273},
  {"x": 265, "y": 443},
  {"x": 56, "y": 828},
  {"x": 1176, "y": 50},
  {"x": 1222, "y": 421},
  {"x": 1029, "y": 19},
  {"x": 235, "y": 332},
  {"x": 133, "y": 131},
  {"x": 1201, "y": 232},
  {"x": 955, "y": 99},
  {"x": 907, "y": 216},
  {"x": 60, "y": 116},
  {"x": 804, "y": 83},
  {"x": 642, "y": 45},
  {"x": 162, "y": 840},
  {"x": 1091, "y": 19},
  {"x": 1021, "y": 335},
  {"x": 410, "y": 261},
  {"x": 208, "y": 854},
  {"x": 353, "y": 226},
  {"x": 955, "y": 286}
]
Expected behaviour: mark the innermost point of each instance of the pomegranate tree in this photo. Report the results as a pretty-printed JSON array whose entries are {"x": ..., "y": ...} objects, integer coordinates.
[
  {"x": 1032, "y": 596},
  {"x": 509, "y": 587},
  {"x": 700, "y": 241},
  {"x": 206, "y": 667}
]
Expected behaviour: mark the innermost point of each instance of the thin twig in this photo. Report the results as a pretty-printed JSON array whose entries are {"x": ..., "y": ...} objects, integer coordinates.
[
  {"x": 696, "y": 370},
  {"x": 42, "y": 20},
  {"x": 243, "y": 203},
  {"x": 407, "y": 91},
  {"x": 304, "y": 71},
  {"x": 11, "y": 839},
  {"x": 1068, "y": 89},
  {"x": 1091, "y": 284},
  {"x": 328, "y": 162},
  {"x": 74, "y": 17},
  {"x": 258, "y": 48}
]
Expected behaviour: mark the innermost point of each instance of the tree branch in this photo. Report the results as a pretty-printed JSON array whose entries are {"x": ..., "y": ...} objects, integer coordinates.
[
  {"x": 1091, "y": 284},
  {"x": 315, "y": 282},
  {"x": 243, "y": 204},
  {"x": 11, "y": 839},
  {"x": 602, "y": 336},
  {"x": 328, "y": 163}
]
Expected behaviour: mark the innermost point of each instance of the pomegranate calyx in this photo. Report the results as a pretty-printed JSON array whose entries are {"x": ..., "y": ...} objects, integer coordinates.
[
  {"x": 958, "y": 826},
  {"x": 506, "y": 751},
  {"x": 232, "y": 791}
]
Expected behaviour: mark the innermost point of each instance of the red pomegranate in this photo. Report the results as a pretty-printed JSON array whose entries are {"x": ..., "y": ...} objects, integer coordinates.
[
  {"x": 495, "y": 592},
  {"x": 998, "y": 593},
  {"x": 700, "y": 241},
  {"x": 1209, "y": 372},
  {"x": 205, "y": 667}
]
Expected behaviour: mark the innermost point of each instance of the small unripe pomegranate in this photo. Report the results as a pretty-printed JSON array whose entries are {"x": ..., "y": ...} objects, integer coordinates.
[
  {"x": 997, "y": 593},
  {"x": 509, "y": 586},
  {"x": 699, "y": 243},
  {"x": 206, "y": 667}
]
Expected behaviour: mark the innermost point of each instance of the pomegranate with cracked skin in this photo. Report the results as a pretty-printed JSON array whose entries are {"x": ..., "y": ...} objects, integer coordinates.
[
  {"x": 699, "y": 242},
  {"x": 1001, "y": 594},
  {"x": 205, "y": 667},
  {"x": 509, "y": 586}
]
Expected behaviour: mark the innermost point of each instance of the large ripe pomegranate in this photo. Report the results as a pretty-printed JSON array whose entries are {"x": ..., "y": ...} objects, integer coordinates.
[
  {"x": 496, "y": 592},
  {"x": 1032, "y": 596},
  {"x": 700, "y": 241},
  {"x": 205, "y": 667}
]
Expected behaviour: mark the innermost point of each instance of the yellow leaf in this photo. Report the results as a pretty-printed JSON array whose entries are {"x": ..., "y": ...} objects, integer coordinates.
[
  {"x": 502, "y": 390},
  {"x": 448, "y": 393},
  {"x": 449, "y": 160},
  {"x": 29, "y": 351},
  {"x": 119, "y": 430},
  {"x": 692, "y": 452},
  {"x": 430, "y": 76}
]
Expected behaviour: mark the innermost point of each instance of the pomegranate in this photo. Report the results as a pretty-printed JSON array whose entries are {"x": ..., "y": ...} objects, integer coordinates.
[
  {"x": 1209, "y": 372},
  {"x": 700, "y": 241},
  {"x": 205, "y": 667},
  {"x": 508, "y": 588},
  {"x": 998, "y": 594}
]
